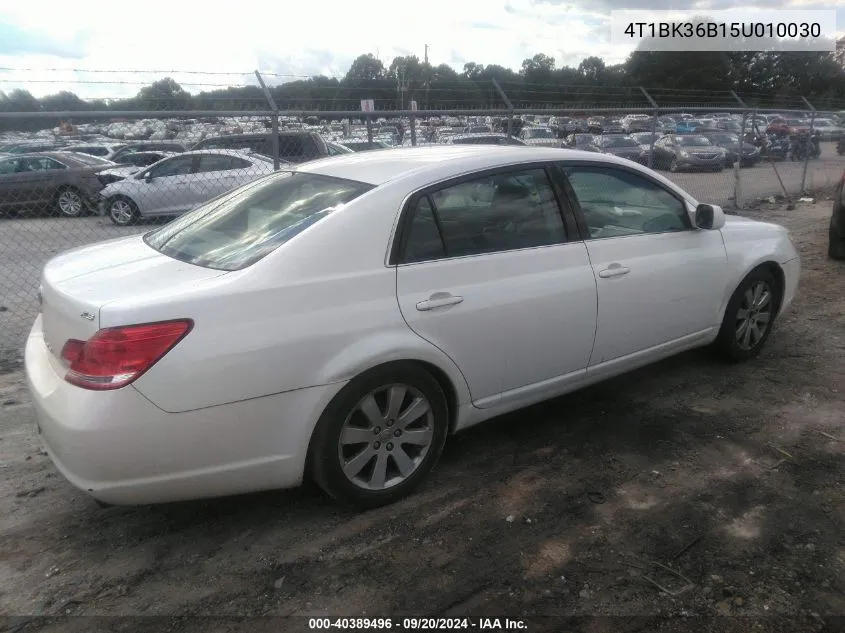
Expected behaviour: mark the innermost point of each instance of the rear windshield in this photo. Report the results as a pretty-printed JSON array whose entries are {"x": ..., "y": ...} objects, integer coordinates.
[{"x": 238, "y": 229}]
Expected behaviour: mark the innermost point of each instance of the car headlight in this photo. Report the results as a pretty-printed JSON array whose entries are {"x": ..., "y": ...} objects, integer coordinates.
[{"x": 684, "y": 154}]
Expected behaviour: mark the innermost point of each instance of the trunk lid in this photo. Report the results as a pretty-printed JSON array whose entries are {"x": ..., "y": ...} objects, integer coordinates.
[{"x": 77, "y": 284}]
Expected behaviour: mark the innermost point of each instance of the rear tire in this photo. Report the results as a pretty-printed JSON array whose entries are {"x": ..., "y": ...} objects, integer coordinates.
[
  {"x": 380, "y": 437},
  {"x": 749, "y": 317},
  {"x": 69, "y": 203}
]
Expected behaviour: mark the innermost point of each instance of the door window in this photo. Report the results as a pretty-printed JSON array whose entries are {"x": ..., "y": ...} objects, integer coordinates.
[
  {"x": 179, "y": 166},
  {"x": 497, "y": 212},
  {"x": 617, "y": 202}
]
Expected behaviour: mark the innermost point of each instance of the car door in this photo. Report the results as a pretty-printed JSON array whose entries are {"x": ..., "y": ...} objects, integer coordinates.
[
  {"x": 660, "y": 281},
  {"x": 13, "y": 192},
  {"x": 487, "y": 272},
  {"x": 168, "y": 189},
  {"x": 36, "y": 181}
]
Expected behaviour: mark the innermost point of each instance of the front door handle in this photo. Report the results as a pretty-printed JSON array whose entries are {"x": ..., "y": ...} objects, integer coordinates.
[
  {"x": 438, "y": 300},
  {"x": 614, "y": 270}
]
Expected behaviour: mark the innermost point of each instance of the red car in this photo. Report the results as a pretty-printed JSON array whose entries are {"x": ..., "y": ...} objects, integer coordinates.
[{"x": 788, "y": 126}]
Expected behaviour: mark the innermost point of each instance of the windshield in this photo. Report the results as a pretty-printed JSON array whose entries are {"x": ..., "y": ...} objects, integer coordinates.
[
  {"x": 693, "y": 141},
  {"x": 540, "y": 133},
  {"x": 238, "y": 229}
]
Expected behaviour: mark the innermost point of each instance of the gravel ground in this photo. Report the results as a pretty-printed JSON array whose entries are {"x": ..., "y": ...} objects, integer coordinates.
[
  {"x": 27, "y": 243},
  {"x": 691, "y": 489}
]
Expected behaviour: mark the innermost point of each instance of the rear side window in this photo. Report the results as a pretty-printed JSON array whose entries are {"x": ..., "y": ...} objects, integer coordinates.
[{"x": 237, "y": 230}]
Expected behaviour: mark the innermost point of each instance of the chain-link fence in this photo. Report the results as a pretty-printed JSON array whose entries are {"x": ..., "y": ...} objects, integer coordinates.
[{"x": 70, "y": 179}]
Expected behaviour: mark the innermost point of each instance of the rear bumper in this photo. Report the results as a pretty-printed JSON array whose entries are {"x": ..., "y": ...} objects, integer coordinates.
[{"x": 120, "y": 448}]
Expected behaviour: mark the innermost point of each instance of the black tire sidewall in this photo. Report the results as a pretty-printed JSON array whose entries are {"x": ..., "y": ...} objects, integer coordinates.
[
  {"x": 726, "y": 341},
  {"x": 325, "y": 466}
]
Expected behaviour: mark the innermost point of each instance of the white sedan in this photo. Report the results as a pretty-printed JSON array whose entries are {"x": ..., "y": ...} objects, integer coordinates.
[
  {"x": 340, "y": 319},
  {"x": 178, "y": 183}
]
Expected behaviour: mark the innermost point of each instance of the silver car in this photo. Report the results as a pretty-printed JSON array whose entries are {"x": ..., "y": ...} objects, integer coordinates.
[
  {"x": 179, "y": 183},
  {"x": 677, "y": 152}
]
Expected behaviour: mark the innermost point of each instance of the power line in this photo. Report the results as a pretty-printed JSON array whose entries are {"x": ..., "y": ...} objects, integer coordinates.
[{"x": 148, "y": 72}]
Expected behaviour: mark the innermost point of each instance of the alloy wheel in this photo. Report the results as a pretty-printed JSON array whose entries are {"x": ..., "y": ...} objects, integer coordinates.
[
  {"x": 386, "y": 437},
  {"x": 121, "y": 212},
  {"x": 70, "y": 203},
  {"x": 754, "y": 315}
]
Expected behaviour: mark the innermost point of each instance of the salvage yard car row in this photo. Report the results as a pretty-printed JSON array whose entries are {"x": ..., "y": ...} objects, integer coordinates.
[{"x": 127, "y": 181}]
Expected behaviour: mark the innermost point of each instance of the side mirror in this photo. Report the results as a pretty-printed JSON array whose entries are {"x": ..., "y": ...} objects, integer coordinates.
[
  {"x": 148, "y": 177},
  {"x": 709, "y": 217}
]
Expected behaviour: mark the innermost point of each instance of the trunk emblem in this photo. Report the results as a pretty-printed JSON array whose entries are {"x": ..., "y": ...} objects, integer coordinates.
[{"x": 87, "y": 316}]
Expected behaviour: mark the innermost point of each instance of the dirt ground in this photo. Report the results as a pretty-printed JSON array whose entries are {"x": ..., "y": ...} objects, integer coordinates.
[{"x": 690, "y": 489}]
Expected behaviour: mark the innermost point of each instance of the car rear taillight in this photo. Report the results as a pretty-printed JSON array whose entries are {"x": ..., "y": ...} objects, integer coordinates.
[{"x": 115, "y": 357}]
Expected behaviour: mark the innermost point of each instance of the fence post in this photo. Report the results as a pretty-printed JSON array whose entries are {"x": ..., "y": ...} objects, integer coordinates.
[
  {"x": 413, "y": 131},
  {"x": 507, "y": 103},
  {"x": 807, "y": 157},
  {"x": 653, "y": 126},
  {"x": 274, "y": 120},
  {"x": 738, "y": 166},
  {"x": 369, "y": 130}
]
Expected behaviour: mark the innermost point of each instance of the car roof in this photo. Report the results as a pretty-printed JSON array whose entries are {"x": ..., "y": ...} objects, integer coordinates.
[
  {"x": 55, "y": 155},
  {"x": 436, "y": 162}
]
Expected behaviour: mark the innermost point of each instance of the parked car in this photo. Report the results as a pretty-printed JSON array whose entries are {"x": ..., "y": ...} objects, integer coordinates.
[
  {"x": 836, "y": 234},
  {"x": 225, "y": 352},
  {"x": 677, "y": 152},
  {"x": 583, "y": 142},
  {"x": 732, "y": 146},
  {"x": 539, "y": 136},
  {"x": 786, "y": 127},
  {"x": 146, "y": 146},
  {"x": 828, "y": 130},
  {"x": 180, "y": 183},
  {"x": 636, "y": 123},
  {"x": 103, "y": 151},
  {"x": 295, "y": 146},
  {"x": 622, "y": 146},
  {"x": 30, "y": 147},
  {"x": 56, "y": 182},
  {"x": 484, "y": 139}
]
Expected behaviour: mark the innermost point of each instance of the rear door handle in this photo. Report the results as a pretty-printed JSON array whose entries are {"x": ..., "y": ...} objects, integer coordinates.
[
  {"x": 614, "y": 270},
  {"x": 438, "y": 300}
]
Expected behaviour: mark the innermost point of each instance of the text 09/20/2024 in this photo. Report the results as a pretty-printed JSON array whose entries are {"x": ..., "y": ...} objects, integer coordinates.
[{"x": 416, "y": 624}]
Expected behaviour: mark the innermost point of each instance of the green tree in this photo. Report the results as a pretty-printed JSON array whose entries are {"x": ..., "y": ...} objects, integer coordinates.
[{"x": 365, "y": 67}]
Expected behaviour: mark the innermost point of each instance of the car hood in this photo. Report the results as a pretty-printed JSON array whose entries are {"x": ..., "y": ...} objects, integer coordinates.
[
  {"x": 624, "y": 151},
  {"x": 542, "y": 142},
  {"x": 123, "y": 170}
]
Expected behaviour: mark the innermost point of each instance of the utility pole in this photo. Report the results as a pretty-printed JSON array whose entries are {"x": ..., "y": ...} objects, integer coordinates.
[
  {"x": 426, "y": 53},
  {"x": 427, "y": 84}
]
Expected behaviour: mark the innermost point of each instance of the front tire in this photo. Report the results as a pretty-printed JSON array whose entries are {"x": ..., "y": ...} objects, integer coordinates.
[
  {"x": 749, "y": 317},
  {"x": 122, "y": 211},
  {"x": 835, "y": 245},
  {"x": 380, "y": 436}
]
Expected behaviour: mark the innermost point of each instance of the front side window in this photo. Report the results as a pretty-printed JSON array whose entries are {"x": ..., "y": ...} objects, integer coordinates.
[
  {"x": 179, "y": 166},
  {"x": 498, "y": 212},
  {"x": 9, "y": 166},
  {"x": 237, "y": 230},
  {"x": 616, "y": 202}
]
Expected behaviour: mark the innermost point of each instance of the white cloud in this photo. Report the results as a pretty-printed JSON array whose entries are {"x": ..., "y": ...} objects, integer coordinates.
[{"x": 239, "y": 37}]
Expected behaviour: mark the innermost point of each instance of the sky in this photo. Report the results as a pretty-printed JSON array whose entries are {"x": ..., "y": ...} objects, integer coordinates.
[{"x": 98, "y": 50}]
